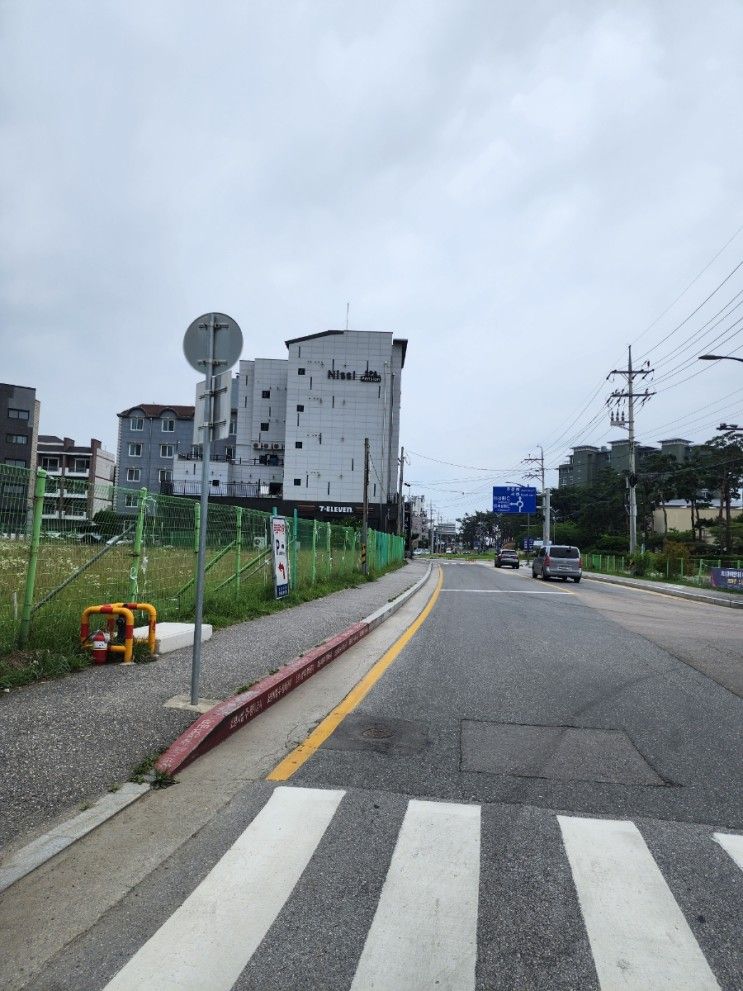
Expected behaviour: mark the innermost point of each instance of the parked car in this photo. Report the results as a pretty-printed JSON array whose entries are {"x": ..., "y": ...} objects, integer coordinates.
[
  {"x": 506, "y": 558},
  {"x": 557, "y": 561}
]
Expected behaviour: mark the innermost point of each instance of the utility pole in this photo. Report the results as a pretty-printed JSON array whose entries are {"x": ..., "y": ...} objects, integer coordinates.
[
  {"x": 538, "y": 472},
  {"x": 400, "y": 503},
  {"x": 365, "y": 517},
  {"x": 629, "y": 374}
]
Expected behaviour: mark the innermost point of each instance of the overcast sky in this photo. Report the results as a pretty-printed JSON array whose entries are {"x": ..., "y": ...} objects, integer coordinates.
[{"x": 519, "y": 189}]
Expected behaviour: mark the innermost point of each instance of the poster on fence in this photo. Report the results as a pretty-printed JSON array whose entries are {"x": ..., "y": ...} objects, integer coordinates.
[
  {"x": 280, "y": 556},
  {"x": 727, "y": 578}
]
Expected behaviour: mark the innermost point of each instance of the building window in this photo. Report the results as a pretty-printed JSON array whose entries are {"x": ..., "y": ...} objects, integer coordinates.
[
  {"x": 166, "y": 450},
  {"x": 300, "y": 371},
  {"x": 168, "y": 426},
  {"x": 17, "y": 414},
  {"x": 16, "y": 438},
  {"x": 50, "y": 464},
  {"x": 328, "y": 488},
  {"x": 133, "y": 474},
  {"x": 297, "y": 481},
  {"x": 80, "y": 465},
  {"x": 165, "y": 475},
  {"x": 130, "y": 500},
  {"x": 352, "y": 462},
  {"x": 136, "y": 423},
  {"x": 233, "y": 424},
  {"x": 298, "y": 443},
  {"x": 266, "y": 394},
  {"x": 319, "y": 438},
  {"x": 229, "y": 453},
  {"x": 264, "y": 426},
  {"x": 135, "y": 450},
  {"x": 15, "y": 462},
  {"x": 375, "y": 489},
  {"x": 300, "y": 407}
]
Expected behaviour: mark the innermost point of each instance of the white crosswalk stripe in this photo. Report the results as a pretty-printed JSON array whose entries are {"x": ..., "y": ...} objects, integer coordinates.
[
  {"x": 424, "y": 930},
  {"x": 638, "y": 934},
  {"x": 733, "y": 845},
  {"x": 207, "y": 942},
  {"x": 424, "y": 934}
]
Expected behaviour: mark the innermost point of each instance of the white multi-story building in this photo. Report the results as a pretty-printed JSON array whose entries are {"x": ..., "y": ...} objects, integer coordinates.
[
  {"x": 344, "y": 386},
  {"x": 302, "y": 423}
]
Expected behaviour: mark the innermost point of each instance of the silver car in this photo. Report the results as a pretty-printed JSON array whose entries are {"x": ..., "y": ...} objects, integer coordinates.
[{"x": 557, "y": 561}]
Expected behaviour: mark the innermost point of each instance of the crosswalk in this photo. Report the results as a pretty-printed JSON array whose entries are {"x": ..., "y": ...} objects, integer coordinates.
[{"x": 424, "y": 930}]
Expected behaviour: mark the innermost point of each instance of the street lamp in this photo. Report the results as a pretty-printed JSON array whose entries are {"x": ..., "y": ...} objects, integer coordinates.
[{"x": 718, "y": 357}]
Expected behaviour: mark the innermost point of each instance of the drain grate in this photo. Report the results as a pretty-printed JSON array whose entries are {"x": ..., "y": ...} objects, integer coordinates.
[{"x": 363, "y": 731}]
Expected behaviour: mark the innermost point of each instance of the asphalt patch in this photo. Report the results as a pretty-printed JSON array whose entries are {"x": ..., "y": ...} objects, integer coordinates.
[{"x": 564, "y": 753}]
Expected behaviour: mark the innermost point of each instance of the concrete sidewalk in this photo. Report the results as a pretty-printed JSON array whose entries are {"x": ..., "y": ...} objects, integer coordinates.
[{"x": 64, "y": 743}]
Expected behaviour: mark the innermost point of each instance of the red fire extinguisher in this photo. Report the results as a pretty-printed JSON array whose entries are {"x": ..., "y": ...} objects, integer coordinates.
[{"x": 99, "y": 642}]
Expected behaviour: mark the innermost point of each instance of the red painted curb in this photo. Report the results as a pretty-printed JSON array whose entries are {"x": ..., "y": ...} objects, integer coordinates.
[{"x": 228, "y": 716}]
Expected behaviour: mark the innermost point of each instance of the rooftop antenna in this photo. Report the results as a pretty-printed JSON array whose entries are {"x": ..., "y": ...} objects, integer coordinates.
[{"x": 348, "y": 307}]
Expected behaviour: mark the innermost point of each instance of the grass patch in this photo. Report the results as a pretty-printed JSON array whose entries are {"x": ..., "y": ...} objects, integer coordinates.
[
  {"x": 54, "y": 628},
  {"x": 21, "y": 667}
]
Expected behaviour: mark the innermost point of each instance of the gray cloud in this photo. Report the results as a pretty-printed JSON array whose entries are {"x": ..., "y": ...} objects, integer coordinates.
[{"x": 518, "y": 189}]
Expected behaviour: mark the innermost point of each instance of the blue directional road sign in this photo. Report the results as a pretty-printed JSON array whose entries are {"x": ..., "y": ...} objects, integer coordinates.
[{"x": 514, "y": 499}]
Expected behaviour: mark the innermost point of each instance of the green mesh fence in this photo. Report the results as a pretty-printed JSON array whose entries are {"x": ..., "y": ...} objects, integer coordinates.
[{"x": 74, "y": 563}]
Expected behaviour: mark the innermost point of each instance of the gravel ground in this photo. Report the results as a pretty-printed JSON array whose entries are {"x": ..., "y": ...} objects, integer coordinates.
[{"x": 64, "y": 743}]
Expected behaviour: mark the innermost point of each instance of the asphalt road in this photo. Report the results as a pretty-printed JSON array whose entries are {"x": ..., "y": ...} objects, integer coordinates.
[{"x": 543, "y": 791}]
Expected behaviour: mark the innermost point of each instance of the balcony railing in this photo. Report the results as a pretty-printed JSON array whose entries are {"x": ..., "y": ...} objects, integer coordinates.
[
  {"x": 270, "y": 458},
  {"x": 237, "y": 490}
]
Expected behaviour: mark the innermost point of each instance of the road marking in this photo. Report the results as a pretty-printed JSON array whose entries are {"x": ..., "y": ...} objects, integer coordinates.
[
  {"x": 733, "y": 844},
  {"x": 638, "y": 934},
  {"x": 293, "y": 761},
  {"x": 506, "y": 591},
  {"x": 424, "y": 932},
  {"x": 207, "y": 942}
]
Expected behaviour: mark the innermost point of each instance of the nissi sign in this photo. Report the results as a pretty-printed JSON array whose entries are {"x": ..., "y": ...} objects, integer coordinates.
[{"x": 353, "y": 377}]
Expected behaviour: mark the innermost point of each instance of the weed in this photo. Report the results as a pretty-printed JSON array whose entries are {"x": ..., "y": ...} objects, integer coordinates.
[
  {"x": 161, "y": 779},
  {"x": 114, "y": 788},
  {"x": 145, "y": 768},
  {"x": 85, "y": 806}
]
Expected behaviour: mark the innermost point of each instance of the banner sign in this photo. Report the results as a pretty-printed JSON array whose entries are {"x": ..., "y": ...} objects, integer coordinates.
[
  {"x": 280, "y": 556},
  {"x": 727, "y": 578}
]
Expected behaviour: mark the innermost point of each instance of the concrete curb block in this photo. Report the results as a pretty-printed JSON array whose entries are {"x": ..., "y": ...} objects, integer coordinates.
[
  {"x": 47, "y": 846},
  {"x": 660, "y": 589},
  {"x": 228, "y": 716}
]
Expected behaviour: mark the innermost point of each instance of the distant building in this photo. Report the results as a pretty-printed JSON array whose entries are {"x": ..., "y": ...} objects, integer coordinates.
[
  {"x": 19, "y": 431},
  {"x": 79, "y": 480},
  {"x": 677, "y": 448},
  {"x": 585, "y": 462},
  {"x": 150, "y": 437},
  {"x": 301, "y": 426},
  {"x": 582, "y": 466}
]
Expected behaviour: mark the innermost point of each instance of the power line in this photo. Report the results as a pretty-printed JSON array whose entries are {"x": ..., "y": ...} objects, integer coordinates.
[
  {"x": 694, "y": 311},
  {"x": 693, "y": 281}
]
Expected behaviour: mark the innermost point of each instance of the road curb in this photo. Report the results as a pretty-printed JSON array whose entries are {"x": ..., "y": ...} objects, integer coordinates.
[
  {"x": 227, "y": 717},
  {"x": 660, "y": 589}
]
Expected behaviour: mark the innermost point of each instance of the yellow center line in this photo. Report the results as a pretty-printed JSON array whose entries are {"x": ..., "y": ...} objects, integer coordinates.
[{"x": 293, "y": 761}]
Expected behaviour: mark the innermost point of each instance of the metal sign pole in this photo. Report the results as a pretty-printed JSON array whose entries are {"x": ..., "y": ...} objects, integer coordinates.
[{"x": 205, "y": 455}]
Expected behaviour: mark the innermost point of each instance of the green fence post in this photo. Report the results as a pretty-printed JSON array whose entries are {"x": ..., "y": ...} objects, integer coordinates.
[
  {"x": 328, "y": 536},
  {"x": 294, "y": 575},
  {"x": 33, "y": 556},
  {"x": 314, "y": 550},
  {"x": 137, "y": 551},
  {"x": 238, "y": 547}
]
